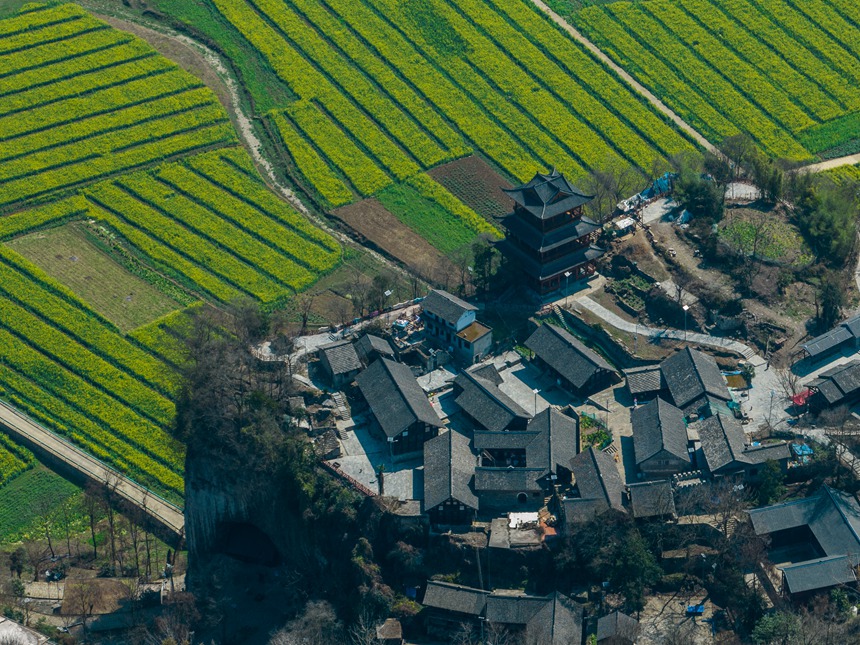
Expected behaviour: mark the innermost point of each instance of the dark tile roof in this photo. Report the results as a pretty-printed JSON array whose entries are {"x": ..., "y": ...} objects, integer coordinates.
[
  {"x": 838, "y": 383},
  {"x": 549, "y": 442},
  {"x": 449, "y": 468},
  {"x": 652, "y": 499},
  {"x": 342, "y": 357},
  {"x": 390, "y": 629},
  {"x": 818, "y": 574},
  {"x": 690, "y": 374},
  {"x": 550, "y": 620},
  {"x": 831, "y": 339},
  {"x": 446, "y": 306},
  {"x": 513, "y": 609},
  {"x": 659, "y": 426},
  {"x": 557, "y": 442},
  {"x": 368, "y": 345},
  {"x": 510, "y": 480},
  {"x": 617, "y": 625},
  {"x": 456, "y": 598},
  {"x": 566, "y": 354},
  {"x": 644, "y": 380},
  {"x": 832, "y": 515},
  {"x": 724, "y": 445},
  {"x": 559, "y": 622},
  {"x": 546, "y": 196},
  {"x": 597, "y": 478},
  {"x": 481, "y": 398},
  {"x": 395, "y": 398}
]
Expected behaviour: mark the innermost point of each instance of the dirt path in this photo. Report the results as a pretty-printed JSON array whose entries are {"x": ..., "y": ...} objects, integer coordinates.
[
  {"x": 850, "y": 160},
  {"x": 657, "y": 103},
  {"x": 33, "y": 435}
]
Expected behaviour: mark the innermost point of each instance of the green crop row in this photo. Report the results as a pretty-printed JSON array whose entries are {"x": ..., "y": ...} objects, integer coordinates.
[
  {"x": 576, "y": 63},
  {"x": 112, "y": 74},
  {"x": 160, "y": 338},
  {"x": 310, "y": 84},
  {"x": 428, "y": 188},
  {"x": 96, "y": 166},
  {"x": 785, "y": 45},
  {"x": 65, "y": 351},
  {"x": 537, "y": 140},
  {"x": 14, "y": 459},
  {"x": 339, "y": 148},
  {"x": 815, "y": 38},
  {"x": 81, "y": 69},
  {"x": 605, "y": 32},
  {"x": 78, "y": 426},
  {"x": 134, "y": 434},
  {"x": 55, "y": 212},
  {"x": 34, "y": 20},
  {"x": 448, "y": 98},
  {"x": 748, "y": 44},
  {"x": 700, "y": 79},
  {"x": 232, "y": 170},
  {"x": 311, "y": 255},
  {"x": 78, "y": 109},
  {"x": 749, "y": 82},
  {"x": 103, "y": 144},
  {"x": 849, "y": 9},
  {"x": 704, "y": 80},
  {"x": 117, "y": 210},
  {"x": 354, "y": 83},
  {"x": 195, "y": 249},
  {"x": 224, "y": 234},
  {"x": 53, "y": 53},
  {"x": 311, "y": 165},
  {"x": 56, "y": 32},
  {"x": 376, "y": 69},
  {"x": 592, "y": 115},
  {"x": 294, "y": 68},
  {"x": 831, "y": 134},
  {"x": 174, "y": 107},
  {"x": 29, "y": 291}
]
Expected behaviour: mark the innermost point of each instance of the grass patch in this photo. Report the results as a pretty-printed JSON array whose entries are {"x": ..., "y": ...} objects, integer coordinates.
[
  {"x": 767, "y": 235},
  {"x": 29, "y": 496},
  {"x": 832, "y": 134},
  {"x": 67, "y": 254},
  {"x": 428, "y": 219}
]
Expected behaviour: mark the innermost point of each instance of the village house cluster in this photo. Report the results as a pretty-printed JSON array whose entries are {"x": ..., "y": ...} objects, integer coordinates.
[{"x": 469, "y": 434}]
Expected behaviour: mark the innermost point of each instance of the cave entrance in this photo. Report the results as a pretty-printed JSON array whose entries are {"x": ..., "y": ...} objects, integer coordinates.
[{"x": 247, "y": 543}]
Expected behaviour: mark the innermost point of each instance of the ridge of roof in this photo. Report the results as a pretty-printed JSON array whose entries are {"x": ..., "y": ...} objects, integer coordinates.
[
  {"x": 838, "y": 504},
  {"x": 493, "y": 390}
]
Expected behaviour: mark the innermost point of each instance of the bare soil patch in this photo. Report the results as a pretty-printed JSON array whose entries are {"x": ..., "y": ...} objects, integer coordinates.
[
  {"x": 476, "y": 184},
  {"x": 378, "y": 226}
]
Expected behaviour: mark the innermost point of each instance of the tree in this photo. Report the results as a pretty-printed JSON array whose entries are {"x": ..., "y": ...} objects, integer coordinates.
[
  {"x": 16, "y": 562},
  {"x": 378, "y": 292},
  {"x": 827, "y": 214},
  {"x": 831, "y": 297},
  {"x": 92, "y": 506},
  {"x": 486, "y": 262},
  {"x": 317, "y": 625},
  {"x": 737, "y": 149},
  {"x": 634, "y": 570},
  {"x": 780, "y": 628},
  {"x": 771, "y": 483},
  {"x": 305, "y": 303},
  {"x": 610, "y": 183}
]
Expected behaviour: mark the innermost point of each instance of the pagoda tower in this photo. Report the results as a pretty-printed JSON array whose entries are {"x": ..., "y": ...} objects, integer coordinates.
[{"x": 547, "y": 234}]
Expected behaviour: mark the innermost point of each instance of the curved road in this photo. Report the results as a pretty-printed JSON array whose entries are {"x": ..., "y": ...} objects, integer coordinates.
[{"x": 31, "y": 433}]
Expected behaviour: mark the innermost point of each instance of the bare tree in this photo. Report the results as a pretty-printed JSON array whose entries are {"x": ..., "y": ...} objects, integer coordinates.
[
  {"x": 93, "y": 507},
  {"x": 789, "y": 382},
  {"x": 305, "y": 304},
  {"x": 610, "y": 183},
  {"x": 36, "y": 553},
  {"x": 85, "y": 596},
  {"x": 317, "y": 625}
]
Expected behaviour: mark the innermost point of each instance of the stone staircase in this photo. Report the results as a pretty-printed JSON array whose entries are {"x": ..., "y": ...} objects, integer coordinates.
[{"x": 341, "y": 406}]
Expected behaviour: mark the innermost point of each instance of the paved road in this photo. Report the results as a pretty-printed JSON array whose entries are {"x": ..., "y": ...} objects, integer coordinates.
[
  {"x": 21, "y": 426},
  {"x": 675, "y": 334}
]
